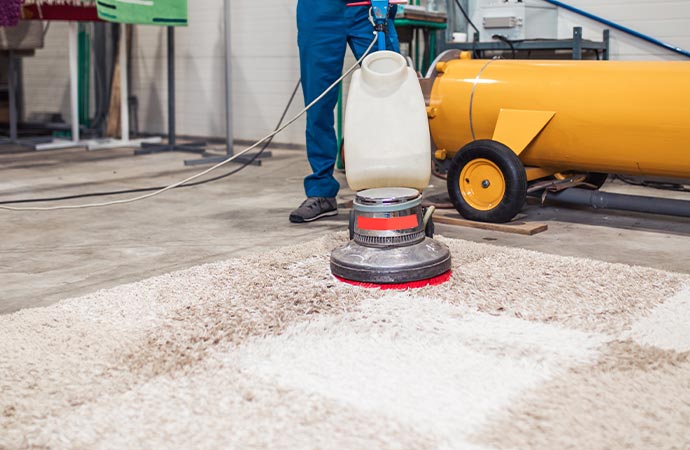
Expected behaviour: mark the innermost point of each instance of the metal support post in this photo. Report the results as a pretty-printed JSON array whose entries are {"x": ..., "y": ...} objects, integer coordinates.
[
  {"x": 74, "y": 79},
  {"x": 12, "y": 86},
  {"x": 577, "y": 43},
  {"x": 209, "y": 158},
  {"x": 58, "y": 144},
  {"x": 606, "y": 38},
  {"x": 172, "y": 145},
  {"x": 124, "y": 85},
  {"x": 172, "y": 132},
  {"x": 230, "y": 132}
]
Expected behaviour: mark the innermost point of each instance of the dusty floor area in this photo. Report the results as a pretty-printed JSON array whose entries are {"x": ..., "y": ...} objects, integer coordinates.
[{"x": 48, "y": 256}]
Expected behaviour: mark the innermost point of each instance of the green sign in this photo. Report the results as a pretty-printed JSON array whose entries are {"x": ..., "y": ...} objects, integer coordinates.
[{"x": 146, "y": 12}]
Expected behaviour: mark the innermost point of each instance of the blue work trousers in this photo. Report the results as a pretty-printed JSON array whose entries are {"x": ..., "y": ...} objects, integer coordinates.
[{"x": 324, "y": 28}]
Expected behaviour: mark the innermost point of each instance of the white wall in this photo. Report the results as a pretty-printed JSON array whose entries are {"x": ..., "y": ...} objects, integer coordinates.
[
  {"x": 45, "y": 75},
  {"x": 665, "y": 20},
  {"x": 266, "y": 64},
  {"x": 265, "y": 69}
]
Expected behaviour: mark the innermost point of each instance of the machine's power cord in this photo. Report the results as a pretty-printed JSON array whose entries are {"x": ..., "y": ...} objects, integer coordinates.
[
  {"x": 155, "y": 188},
  {"x": 510, "y": 43},
  {"x": 212, "y": 168}
]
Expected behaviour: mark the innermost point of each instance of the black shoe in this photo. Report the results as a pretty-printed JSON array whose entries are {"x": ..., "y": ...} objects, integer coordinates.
[{"x": 314, "y": 208}]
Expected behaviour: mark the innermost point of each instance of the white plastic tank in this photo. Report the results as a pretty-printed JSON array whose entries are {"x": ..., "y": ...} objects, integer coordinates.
[{"x": 386, "y": 134}]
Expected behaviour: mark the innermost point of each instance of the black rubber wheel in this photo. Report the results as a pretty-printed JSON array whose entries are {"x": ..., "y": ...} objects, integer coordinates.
[{"x": 487, "y": 182}]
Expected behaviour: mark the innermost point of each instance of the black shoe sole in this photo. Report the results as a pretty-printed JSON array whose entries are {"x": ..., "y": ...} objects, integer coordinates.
[{"x": 300, "y": 219}]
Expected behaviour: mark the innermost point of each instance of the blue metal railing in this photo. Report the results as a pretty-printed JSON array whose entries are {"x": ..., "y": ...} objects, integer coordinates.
[{"x": 630, "y": 31}]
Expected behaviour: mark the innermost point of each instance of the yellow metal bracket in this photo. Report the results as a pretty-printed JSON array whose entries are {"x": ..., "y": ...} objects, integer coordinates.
[
  {"x": 535, "y": 173},
  {"x": 516, "y": 128}
]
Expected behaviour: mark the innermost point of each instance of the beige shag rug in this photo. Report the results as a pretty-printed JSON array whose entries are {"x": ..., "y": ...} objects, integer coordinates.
[{"x": 519, "y": 350}]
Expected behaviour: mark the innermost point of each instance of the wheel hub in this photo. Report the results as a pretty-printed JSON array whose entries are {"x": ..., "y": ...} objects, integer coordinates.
[{"x": 482, "y": 184}]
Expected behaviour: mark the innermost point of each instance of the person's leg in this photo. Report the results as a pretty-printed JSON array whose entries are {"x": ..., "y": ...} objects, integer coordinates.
[
  {"x": 361, "y": 31},
  {"x": 322, "y": 39}
]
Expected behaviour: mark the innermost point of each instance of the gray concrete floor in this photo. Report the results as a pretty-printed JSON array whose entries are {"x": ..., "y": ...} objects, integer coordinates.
[{"x": 49, "y": 256}]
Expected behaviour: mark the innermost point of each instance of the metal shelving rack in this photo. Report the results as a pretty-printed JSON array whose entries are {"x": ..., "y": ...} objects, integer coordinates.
[{"x": 577, "y": 45}]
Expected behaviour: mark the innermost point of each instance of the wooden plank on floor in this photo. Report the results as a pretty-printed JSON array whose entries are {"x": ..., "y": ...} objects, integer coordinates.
[{"x": 516, "y": 227}]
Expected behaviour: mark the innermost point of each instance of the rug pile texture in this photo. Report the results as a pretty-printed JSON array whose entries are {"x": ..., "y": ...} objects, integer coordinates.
[{"x": 519, "y": 350}]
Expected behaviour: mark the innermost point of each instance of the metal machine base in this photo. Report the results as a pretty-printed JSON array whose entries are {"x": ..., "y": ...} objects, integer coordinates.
[
  {"x": 420, "y": 261},
  {"x": 391, "y": 241}
]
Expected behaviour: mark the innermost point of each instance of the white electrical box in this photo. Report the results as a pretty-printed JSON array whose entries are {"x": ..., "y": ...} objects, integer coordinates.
[{"x": 516, "y": 20}]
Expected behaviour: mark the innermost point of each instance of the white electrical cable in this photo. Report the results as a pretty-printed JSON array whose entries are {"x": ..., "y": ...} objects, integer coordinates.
[{"x": 210, "y": 169}]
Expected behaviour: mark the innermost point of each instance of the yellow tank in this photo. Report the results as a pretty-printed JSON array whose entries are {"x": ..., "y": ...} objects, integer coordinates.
[{"x": 557, "y": 116}]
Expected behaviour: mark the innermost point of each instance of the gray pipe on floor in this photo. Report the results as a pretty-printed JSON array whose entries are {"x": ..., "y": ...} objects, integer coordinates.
[{"x": 607, "y": 200}]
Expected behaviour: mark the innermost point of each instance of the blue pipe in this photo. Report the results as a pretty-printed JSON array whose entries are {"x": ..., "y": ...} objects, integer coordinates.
[{"x": 630, "y": 31}]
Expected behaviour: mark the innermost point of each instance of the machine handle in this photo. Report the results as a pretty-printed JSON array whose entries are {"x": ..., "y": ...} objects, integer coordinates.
[{"x": 378, "y": 16}]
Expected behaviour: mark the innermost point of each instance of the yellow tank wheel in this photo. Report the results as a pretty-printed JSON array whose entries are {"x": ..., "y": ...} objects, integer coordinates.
[
  {"x": 596, "y": 179},
  {"x": 487, "y": 182},
  {"x": 482, "y": 184}
]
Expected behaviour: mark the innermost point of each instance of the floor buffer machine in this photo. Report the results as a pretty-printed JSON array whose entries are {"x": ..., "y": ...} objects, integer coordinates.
[{"x": 388, "y": 164}]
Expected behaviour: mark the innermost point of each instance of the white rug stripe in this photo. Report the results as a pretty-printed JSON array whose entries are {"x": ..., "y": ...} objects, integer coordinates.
[
  {"x": 668, "y": 326},
  {"x": 442, "y": 369}
]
